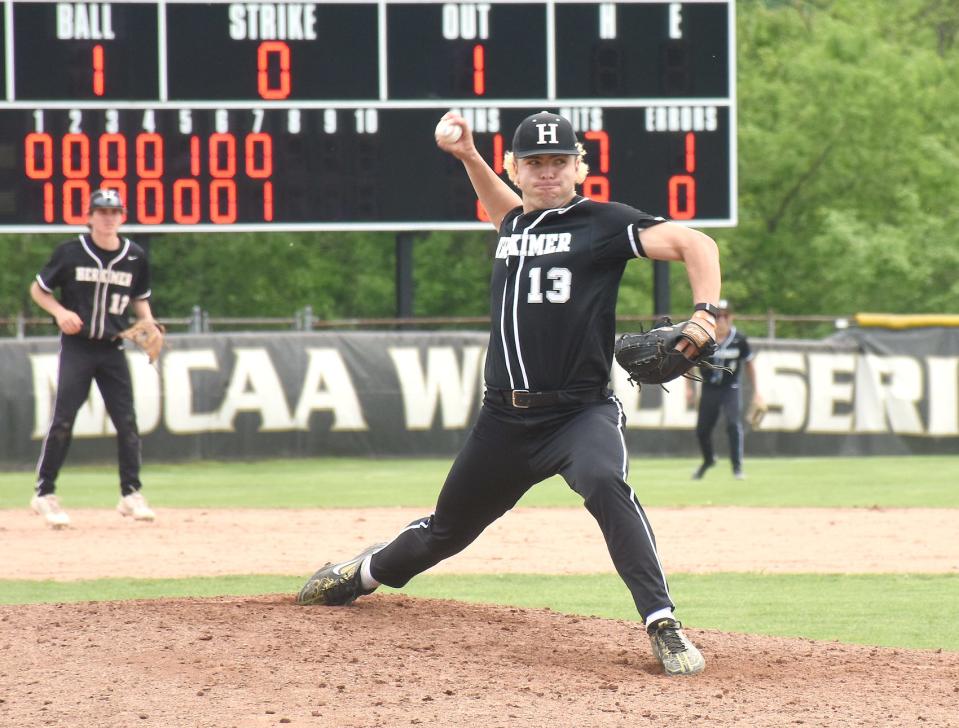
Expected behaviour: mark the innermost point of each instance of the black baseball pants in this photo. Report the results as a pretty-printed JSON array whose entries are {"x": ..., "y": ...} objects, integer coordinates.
[
  {"x": 727, "y": 400},
  {"x": 507, "y": 452},
  {"x": 83, "y": 361}
]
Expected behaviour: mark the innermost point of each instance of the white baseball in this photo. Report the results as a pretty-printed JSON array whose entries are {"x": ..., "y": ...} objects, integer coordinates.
[{"x": 447, "y": 131}]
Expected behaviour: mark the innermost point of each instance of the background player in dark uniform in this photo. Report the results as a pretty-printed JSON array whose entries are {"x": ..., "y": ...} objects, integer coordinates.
[
  {"x": 98, "y": 274},
  {"x": 547, "y": 408},
  {"x": 721, "y": 391}
]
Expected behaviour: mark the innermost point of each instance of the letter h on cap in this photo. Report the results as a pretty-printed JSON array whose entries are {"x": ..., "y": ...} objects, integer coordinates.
[{"x": 547, "y": 133}]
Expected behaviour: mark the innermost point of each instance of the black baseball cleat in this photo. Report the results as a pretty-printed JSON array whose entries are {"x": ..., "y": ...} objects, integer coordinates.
[
  {"x": 699, "y": 472},
  {"x": 336, "y": 585},
  {"x": 673, "y": 649}
]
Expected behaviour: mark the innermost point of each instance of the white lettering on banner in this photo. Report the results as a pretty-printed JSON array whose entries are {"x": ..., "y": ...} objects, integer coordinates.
[
  {"x": 782, "y": 374},
  {"x": 443, "y": 382},
  {"x": 178, "y": 391},
  {"x": 327, "y": 386},
  {"x": 944, "y": 400},
  {"x": 92, "y": 418},
  {"x": 828, "y": 395},
  {"x": 255, "y": 387},
  {"x": 888, "y": 387},
  {"x": 835, "y": 393}
]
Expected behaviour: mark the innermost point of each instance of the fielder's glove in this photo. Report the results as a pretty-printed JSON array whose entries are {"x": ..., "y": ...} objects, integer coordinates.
[
  {"x": 651, "y": 357},
  {"x": 148, "y": 335}
]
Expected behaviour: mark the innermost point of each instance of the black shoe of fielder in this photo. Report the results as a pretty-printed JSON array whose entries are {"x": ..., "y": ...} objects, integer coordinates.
[
  {"x": 699, "y": 472},
  {"x": 673, "y": 649},
  {"x": 337, "y": 584}
]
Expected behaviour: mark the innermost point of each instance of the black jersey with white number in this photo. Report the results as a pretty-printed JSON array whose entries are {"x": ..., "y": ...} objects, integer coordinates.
[
  {"x": 732, "y": 353},
  {"x": 553, "y": 294},
  {"x": 97, "y": 284}
]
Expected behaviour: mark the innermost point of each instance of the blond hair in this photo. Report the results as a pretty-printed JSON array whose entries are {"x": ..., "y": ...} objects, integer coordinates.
[{"x": 510, "y": 165}]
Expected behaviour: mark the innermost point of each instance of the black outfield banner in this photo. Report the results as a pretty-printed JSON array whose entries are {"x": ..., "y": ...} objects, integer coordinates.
[{"x": 227, "y": 396}]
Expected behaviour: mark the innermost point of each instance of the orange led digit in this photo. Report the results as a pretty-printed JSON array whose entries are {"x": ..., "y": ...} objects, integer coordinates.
[
  {"x": 76, "y": 145},
  {"x": 48, "y": 201},
  {"x": 498, "y": 153},
  {"x": 192, "y": 188},
  {"x": 113, "y": 147},
  {"x": 268, "y": 201},
  {"x": 685, "y": 209},
  {"x": 282, "y": 50},
  {"x": 98, "y": 70},
  {"x": 265, "y": 168},
  {"x": 603, "y": 138},
  {"x": 38, "y": 145},
  {"x": 73, "y": 213},
  {"x": 690, "y": 152},
  {"x": 217, "y": 214},
  {"x": 149, "y": 164},
  {"x": 195, "y": 156},
  {"x": 596, "y": 188},
  {"x": 147, "y": 189},
  {"x": 228, "y": 151},
  {"x": 479, "y": 70}
]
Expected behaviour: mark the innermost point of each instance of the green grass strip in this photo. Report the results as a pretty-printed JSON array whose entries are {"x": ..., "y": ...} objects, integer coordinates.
[
  {"x": 891, "y": 610},
  {"x": 887, "y": 482}
]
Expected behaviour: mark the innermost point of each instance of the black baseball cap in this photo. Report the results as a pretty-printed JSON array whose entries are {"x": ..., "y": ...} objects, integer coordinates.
[
  {"x": 544, "y": 133},
  {"x": 106, "y": 199}
]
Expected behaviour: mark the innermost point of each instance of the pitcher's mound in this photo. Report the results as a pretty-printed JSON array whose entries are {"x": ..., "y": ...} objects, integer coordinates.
[{"x": 391, "y": 660}]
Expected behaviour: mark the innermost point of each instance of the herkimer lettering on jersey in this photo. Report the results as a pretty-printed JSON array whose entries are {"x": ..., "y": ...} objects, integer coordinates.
[
  {"x": 530, "y": 244},
  {"x": 96, "y": 275}
]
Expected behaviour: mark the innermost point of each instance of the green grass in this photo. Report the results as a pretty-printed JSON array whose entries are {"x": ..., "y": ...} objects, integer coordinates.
[
  {"x": 891, "y": 610},
  {"x": 917, "y": 481}
]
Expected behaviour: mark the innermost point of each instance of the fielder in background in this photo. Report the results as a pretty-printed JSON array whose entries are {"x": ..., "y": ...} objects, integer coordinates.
[
  {"x": 721, "y": 392},
  {"x": 98, "y": 274},
  {"x": 547, "y": 407}
]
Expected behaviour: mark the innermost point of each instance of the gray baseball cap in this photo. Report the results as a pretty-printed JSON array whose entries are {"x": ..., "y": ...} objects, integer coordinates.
[
  {"x": 544, "y": 133},
  {"x": 106, "y": 199}
]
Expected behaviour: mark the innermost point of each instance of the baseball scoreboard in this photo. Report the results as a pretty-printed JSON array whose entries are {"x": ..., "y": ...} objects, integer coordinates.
[{"x": 310, "y": 116}]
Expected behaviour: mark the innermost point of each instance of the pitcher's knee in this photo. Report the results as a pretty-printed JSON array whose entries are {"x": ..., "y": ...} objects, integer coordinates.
[{"x": 598, "y": 488}]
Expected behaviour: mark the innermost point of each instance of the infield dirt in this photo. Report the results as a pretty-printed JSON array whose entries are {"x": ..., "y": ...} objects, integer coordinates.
[{"x": 391, "y": 660}]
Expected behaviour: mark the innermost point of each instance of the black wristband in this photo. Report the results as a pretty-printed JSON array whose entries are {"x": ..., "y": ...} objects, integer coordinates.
[{"x": 708, "y": 308}]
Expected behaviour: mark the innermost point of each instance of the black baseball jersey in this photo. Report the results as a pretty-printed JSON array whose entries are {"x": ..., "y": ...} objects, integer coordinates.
[
  {"x": 732, "y": 353},
  {"x": 97, "y": 284},
  {"x": 553, "y": 294}
]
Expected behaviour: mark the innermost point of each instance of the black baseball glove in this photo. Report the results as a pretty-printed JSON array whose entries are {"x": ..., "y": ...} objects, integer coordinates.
[{"x": 651, "y": 357}]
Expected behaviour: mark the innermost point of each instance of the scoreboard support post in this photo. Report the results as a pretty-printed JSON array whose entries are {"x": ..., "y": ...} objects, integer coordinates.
[
  {"x": 661, "y": 302},
  {"x": 404, "y": 274}
]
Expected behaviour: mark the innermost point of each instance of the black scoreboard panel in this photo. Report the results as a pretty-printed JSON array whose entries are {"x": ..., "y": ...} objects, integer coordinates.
[
  {"x": 267, "y": 116},
  {"x": 325, "y": 51}
]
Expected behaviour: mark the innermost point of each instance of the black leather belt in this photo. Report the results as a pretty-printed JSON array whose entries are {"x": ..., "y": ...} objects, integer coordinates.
[{"x": 524, "y": 399}]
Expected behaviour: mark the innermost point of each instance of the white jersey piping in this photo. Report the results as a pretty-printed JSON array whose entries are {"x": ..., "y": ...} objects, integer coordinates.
[
  {"x": 100, "y": 299},
  {"x": 522, "y": 258}
]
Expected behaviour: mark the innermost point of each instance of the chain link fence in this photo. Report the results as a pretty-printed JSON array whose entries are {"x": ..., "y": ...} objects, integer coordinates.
[{"x": 771, "y": 326}]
